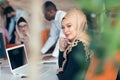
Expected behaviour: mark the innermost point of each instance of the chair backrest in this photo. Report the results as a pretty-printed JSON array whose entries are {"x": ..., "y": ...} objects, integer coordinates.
[{"x": 44, "y": 35}]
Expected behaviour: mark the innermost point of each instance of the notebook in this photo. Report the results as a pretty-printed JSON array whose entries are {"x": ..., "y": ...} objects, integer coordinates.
[
  {"x": 17, "y": 59},
  {"x": 2, "y": 47},
  {"x": 51, "y": 61}
]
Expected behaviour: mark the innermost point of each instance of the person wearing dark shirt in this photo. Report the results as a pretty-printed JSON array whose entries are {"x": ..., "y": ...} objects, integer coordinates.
[
  {"x": 12, "y": 16},
  {"x": 74, "y": 56}
]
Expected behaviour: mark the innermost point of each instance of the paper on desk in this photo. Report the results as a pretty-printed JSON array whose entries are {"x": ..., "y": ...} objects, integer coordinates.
[{"x": 52, "y": 61}]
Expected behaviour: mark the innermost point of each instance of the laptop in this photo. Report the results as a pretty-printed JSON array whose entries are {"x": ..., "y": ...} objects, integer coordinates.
[
  {"x": 18, "y": 62},
  {"x": 17, "y": 59},
  {"x": 2, "y": 47}
]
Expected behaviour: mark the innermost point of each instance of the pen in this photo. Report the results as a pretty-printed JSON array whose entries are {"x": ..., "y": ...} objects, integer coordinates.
[{"x": 49, "y": 63}]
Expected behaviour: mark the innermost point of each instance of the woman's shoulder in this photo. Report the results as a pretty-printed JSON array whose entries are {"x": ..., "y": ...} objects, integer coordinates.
[{"x": 79, "y": 45}]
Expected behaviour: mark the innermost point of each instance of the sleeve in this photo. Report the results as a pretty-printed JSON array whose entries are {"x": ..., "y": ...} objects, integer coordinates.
[
  {"x": 72, "y": 67},
  {"x": 7, "y": 36},
  {"x": 61, "y": 59},
  {"x": 21, "y": 13},
  {"x": 56, "y": 50},
  {"x": 54, "y": 34},
  {"x": 11, "y": 27}
]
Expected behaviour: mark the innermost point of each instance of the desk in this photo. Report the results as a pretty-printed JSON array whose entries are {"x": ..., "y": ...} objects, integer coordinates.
[{"x": 48, "y": 72}]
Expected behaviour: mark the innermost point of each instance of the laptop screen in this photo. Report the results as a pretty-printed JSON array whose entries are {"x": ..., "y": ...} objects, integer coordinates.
[
  {"x": 17, "y": 57},
  {"x": 2, "y": 47}
]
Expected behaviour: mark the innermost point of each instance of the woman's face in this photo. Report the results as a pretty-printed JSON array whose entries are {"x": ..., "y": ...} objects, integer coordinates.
[
  {"x": 23, "y": 27},
  {"x": 69, "y": 28}
]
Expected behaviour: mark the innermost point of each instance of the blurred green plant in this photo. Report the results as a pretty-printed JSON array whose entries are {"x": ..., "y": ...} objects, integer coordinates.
[
  {"x": 2, "y": 2},
  {"x": 96, "y": 5},
  {"x": 106, "y": 39},
  {"x": 106, "y": 35}
]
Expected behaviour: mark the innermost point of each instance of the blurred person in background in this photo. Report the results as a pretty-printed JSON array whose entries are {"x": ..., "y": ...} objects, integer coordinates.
[
  {"x": 4, "y": 31},
  {"x": 74, "y": 56},
  {"x": 22, "y": 31},
  {"x": 12, "y": 16},
  {"x": 52, "y": 14}
]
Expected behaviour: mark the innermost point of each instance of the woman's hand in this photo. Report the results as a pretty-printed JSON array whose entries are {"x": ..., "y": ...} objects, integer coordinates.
[
  {"x": 63, "y": 43},
  {"x": 59, "y": 70}
]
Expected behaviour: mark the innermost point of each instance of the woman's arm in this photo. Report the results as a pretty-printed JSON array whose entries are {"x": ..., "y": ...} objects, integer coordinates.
[
  {"x": 60, "y": 59},
  {"x": 74, "y": 63}
]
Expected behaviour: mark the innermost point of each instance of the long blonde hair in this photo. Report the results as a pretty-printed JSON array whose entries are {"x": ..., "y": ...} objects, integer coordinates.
[{"x": 81, "y": 23}]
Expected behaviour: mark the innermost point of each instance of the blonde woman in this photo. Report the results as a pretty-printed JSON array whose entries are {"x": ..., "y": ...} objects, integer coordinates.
[{"x": 74, "y": 55}]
